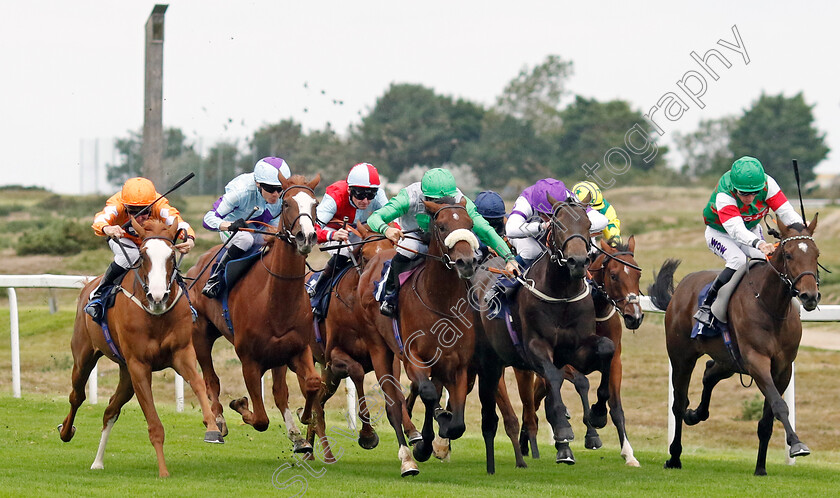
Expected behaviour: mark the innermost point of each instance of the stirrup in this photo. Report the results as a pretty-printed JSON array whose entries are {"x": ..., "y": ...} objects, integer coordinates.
[
  {"x": 704, "y": 315},
  {"x": 212, "y": 288},
  {"x": 387, "y": 309},
  {"x": 94, "y": 309}
]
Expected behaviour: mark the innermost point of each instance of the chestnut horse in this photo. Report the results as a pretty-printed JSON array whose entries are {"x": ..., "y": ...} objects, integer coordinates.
[
  {"x": 556, "y": 316},
  {"x": 342, "y": 347},
  {"x": 270, "y": 313},
  {"x": 436, "y": 334},
  {"x": 615, "y": 275},
  {"x": 765, "y": 326},
  {"x": 150, "y": 329}
]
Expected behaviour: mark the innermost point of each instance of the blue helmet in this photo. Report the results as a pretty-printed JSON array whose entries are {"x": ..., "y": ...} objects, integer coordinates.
[{"x": 489, "y": 204}]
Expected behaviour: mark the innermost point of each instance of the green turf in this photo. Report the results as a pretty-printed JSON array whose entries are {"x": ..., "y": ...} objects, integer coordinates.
[{"x": 35, "y": 462}]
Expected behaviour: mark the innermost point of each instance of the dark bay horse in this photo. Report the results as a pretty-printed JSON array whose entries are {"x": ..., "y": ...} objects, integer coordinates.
[
  {"x": 616, "y": 277},
  {"x": 555, "y": 315},
  {"x": 436, "y": 340},
  {"x": 766, "y": 330},
  {"x": 270, "y": 313},
  {"x": 151, "y": 329}
]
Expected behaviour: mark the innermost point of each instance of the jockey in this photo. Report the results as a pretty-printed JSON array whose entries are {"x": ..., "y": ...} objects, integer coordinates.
[
  {"x": 355, "y": 199},
  {"x": 589, "y": 193},
  {"x": 531, "y": 216},
  {"x": 261, "y": 190},
  {"x": 735, "y": 209},
  {"x": 491, "y": 207},
  {"x": 136, "y": 199},
  {"x": 408, "y": 205}
]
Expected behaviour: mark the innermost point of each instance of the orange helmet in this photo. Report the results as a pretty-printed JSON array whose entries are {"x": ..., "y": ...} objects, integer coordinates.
[{"x": 138, "y": 192}]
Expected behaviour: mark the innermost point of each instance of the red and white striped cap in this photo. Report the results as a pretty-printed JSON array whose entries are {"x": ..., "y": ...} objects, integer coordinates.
[{"x": 363, "y": 175}]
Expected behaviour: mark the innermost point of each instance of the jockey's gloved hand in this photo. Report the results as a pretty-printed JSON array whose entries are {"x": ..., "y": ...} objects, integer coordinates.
[{"x": 237, "y": 225}]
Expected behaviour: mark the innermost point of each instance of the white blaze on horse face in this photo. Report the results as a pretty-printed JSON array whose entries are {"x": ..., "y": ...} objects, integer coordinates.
[
  {"x": 158, "y": 252},
  {"x": 306, "y": 204},
  {"x": 627, "y": 270},
  {"x": 459, "y": 235},
  {"x": 803, "y": 246}
]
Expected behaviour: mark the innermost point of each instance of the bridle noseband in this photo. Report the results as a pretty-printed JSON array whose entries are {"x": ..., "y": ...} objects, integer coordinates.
[
  {"x": 557, "y": 255},
  {"x": 783, "y": 275},
  {"x": 445, "y": 259},
  {"x": 283, "y": 233}
]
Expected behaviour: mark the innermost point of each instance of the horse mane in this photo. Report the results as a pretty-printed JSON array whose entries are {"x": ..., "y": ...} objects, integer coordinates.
[
  {"x": 663, "y": 284},
  {"x": 449, "y": 200},
  {"x": 297, "y": 179},
  {"x": 623, "y": 247},
  {"x": 797, "y": 226},
  {"x": 154, "y": 225}
]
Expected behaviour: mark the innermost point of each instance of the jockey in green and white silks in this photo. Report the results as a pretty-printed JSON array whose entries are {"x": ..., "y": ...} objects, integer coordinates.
[
  {"x": 408, "y": 206},
  {"x": 743, "y": 196}
]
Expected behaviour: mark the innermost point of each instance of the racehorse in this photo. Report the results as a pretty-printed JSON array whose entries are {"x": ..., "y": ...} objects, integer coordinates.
[
  {"x": 341, "y": 348},
  {"x": 270, "y": 314},
  {"x": 435, "y": 337},
  {"x": 150, "y": 328},
  {"x": 615, "y": 275},
  {"x": 766, "y": 330},
  {"x": 555, "y": 315}
]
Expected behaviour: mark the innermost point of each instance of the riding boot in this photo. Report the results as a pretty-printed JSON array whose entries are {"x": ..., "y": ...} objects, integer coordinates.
[
  {"x": 113, "y": 273},
  {"x": 336, "y": 263},
  {"x": 399, "y": 264},
  {"x": 503, "y": 290},
  {"x": 214, "y": 284},
  {"x": 704, "y": 312}
]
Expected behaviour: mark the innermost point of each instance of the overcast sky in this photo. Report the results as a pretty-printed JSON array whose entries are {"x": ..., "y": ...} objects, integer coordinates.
[{"x": 73, "y": 71}]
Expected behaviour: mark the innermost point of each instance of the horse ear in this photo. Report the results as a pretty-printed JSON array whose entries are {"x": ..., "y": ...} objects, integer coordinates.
[
  {"x": 172, "y": 232},
  {"x": 284, "y": 182},
  {"x": 551, "y": 200},
  {"x": 138, "y": 228},
  {"x": 606, "y": 247},
  {"x": 432, "y": 207},
  {"x": 813, "y": 225},
  {"x": 782, "y": 227},
  {"x": 314, "y": 182},
  {"x": 463, "y": 201},
  {"x": 363, "y": 229},
  {"x": 631, "y": 244}
]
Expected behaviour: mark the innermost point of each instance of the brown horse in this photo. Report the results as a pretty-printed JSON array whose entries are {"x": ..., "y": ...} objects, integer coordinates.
[
  {"x": 270, "y": 313},
  {"x": 616, "y": 277},
  {"x": 556, "y": 316},
  {"x": 766, "y": 330},
  {"x": 151, "y": 329},
  {"x": 436, "y": 334},
  {"x": 342, "y": 347}
]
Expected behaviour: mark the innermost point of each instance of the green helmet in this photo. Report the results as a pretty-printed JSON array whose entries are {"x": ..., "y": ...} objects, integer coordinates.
[
  {"x": 437, "y": 183},
  {"x": 747, "y": 174}
]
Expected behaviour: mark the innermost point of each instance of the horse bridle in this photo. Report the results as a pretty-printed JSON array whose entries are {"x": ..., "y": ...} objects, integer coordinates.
[
  {"x": 630, "y": 298},
  {"x": 557, "y": 255},
  {"x": 445, "y": 259},
  {"x": 784, "y": 273},
  {"x": 144, "y": 284},
  {"x": 283, "y": 233}
]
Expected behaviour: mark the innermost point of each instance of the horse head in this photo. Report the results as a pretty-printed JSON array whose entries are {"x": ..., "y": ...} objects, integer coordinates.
[
  {"x": 621, "y": 281},
  {"x": 452, "y": 238},
  {"x": 157, "y": 261},
  {"x": 795, "y": 258},
  {"x": 568, "y": 238},
  {"x": 374, "y": 244},
  {"x": 297, "y": 216}
]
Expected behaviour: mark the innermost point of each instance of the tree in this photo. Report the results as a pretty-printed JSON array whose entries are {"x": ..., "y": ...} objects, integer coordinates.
[
  {"x": 775, "y": 130},
  {"x": 324, "y": 152},
  {"x": 706, "y": 151},
  {"x": 597, "y": 132},
  {"x": 282, "y": 139},
  {"x": 535, "y": 95},
  {"x": 130, "y": 163}
]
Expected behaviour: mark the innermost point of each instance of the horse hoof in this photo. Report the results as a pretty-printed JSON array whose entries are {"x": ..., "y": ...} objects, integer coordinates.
[
  {"x": 593, "y": 442},
  {"x": 633, "y": 463},
  {"x": 564, "y": 435},
  {"x": 564, "y": 455},
  {"x": 441, "y": 449},
  {"x": 761, "y": 472},
  {"x": 369, "y": 442},
  {"x": 692, "y": 417},
  {"x": 222, "y": 425},
  {"x": 409, "y": 472},
  {"x": 214, "y": 437},
  {"x": 302, "y": 446},
  {"x": 422, "y": 451},
  {"x": 598, "y": 418},
  {"x": 799, "y": 450},
  {"x": 72, "y": 432},
  {"x": 673, "y": 464},
  {"x": 238, "y": 404},
  {"x": 414, "y": 437},
  {"x": 97, "y": 466}
]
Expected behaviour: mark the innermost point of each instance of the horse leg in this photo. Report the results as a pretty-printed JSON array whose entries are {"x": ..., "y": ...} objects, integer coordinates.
[
  {"x": 141, "y": 380},
  {"x": 184, "y": 363},
  {"x": 765, "y": 430},
  {"x": 84, "y": 359},
  {"x": 121, "y": 396},
  {"x": 616, "y": 410},
  {"x": 280, "y": 393},
  {"x": 759, "y": 367},
  {"x": 554, "y": 408},
  {"x": 203, "y": 340},
  {"x": 310, "y": 386},
  {"x": 680, "y": 378},
  {"x": 429, "y": 396},
  {"x": 528, "y": 434},
  {"x": 714, "y": 373},
  {"x": 488, "y": 384},
  {"x": 592, "y": 441},
  {"x": 509, "y": 419},
  {"x": 383, "y": 366},
  {"x": 603, "y": 350},
  {"x": 252, "y": 373}
]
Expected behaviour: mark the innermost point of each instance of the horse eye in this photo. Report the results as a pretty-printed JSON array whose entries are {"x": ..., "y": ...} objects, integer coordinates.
[
  {"x": 788, "y": 256},
  {"x": 613, "y": 276}
]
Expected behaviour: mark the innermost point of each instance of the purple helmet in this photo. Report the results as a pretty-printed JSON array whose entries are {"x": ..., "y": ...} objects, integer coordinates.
[{"x": 537, "y": 198}]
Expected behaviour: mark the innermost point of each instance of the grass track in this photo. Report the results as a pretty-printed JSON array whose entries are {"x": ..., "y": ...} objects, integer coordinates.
[{"x": 37, "y": 463}]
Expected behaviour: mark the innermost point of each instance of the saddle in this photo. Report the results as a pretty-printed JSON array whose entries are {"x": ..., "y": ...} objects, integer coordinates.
[
  {"x": 720, "y": 307},
  {"x": 379, "y": 285},
  {"x": 321, "y": 301}
]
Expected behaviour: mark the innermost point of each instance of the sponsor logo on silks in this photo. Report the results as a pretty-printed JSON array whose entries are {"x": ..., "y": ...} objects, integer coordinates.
[
  {"x": 716, "y": 245},
  {"x": 756, "y": 216}
]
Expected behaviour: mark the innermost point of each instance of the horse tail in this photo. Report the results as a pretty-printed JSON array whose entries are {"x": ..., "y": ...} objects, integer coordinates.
[{"x": 663, "y": 284}]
